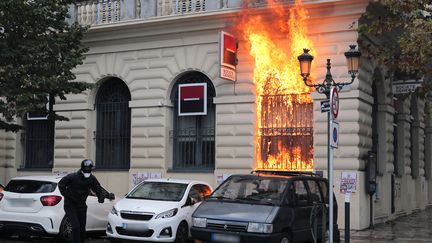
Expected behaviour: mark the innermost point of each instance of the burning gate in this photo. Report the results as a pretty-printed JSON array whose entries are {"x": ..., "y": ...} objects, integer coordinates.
[{"x": 286, "y": 133}]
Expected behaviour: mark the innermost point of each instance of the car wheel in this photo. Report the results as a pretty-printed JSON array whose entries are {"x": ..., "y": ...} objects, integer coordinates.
[
  {"x": 65, "y": 233},
  {"x": 286, "y": 238},
  {"x": 182, "y": 234}
]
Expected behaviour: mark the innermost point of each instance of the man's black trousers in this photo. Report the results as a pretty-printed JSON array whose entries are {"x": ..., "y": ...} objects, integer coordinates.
[{"x": 77, "y": 217}]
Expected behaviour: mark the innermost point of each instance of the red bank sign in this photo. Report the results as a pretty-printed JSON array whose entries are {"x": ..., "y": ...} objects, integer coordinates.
[
  {"x": 228, "y": 56},
  {"x": 192, "y": 99}
]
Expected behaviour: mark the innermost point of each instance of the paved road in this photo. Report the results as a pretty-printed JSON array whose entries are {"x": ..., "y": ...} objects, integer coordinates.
[{"x": 414, "y": 228}]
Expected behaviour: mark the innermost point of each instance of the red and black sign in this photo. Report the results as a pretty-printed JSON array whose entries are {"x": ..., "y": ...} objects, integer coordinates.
[
  {"x": 228, "y": 56},
  {"x": 192, "y": 99}
]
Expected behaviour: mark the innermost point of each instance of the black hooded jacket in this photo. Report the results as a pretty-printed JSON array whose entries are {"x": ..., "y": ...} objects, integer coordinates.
[{"x": 75, "y": 188}]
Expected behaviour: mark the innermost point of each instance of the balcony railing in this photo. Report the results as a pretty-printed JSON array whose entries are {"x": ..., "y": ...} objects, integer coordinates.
[{"x": 94, "y": 12}]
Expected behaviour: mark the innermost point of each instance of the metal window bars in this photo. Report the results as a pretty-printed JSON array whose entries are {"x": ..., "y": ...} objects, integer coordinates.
[
  {"x": 286, "y": 133},
  {"x": 113, "y": 126},
  {"x": 39, "y": 144}
]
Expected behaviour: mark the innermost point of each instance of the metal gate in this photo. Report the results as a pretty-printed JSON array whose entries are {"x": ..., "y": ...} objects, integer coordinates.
[{"x": 286, "y": 133}]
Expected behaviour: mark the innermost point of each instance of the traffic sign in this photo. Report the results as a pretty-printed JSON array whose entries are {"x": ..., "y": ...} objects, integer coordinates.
[
  {"x": 325, "y": 105},
  {"x": 334, "y": 102},
  {"x": 334, "y": 134}
]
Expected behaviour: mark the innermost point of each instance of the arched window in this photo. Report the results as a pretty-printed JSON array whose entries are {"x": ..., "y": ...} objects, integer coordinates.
[
  {"x": 113, "y": 125},
  {"x": 193, "y": 136}
]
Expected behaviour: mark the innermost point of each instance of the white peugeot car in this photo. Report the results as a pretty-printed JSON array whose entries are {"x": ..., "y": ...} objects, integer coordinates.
[
  {"x": 33, "y": 205},
  {"x": 158, "y": 210}
]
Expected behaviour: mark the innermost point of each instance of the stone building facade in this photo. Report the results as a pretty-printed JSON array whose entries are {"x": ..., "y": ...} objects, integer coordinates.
[{"x": 141, "y": 50}]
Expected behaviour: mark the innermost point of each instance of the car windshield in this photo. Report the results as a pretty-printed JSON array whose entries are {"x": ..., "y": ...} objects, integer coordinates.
[
  {"x": 30, "y": 186},
  {"x": 162, "y": 191},
  {"x": 252, "y": 188}
]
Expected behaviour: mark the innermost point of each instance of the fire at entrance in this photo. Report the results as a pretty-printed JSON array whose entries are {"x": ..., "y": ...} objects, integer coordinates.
[{"x": 284, "y": 108}]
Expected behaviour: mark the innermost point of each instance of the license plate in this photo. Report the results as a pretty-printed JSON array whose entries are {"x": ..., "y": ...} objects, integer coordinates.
[
  {"x": 225, "y": 238},
  {"x": 135, "y": 227}
]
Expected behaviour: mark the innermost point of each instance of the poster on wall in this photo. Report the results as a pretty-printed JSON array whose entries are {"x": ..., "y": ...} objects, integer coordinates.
[
  {"x": 138, "y": 177},
  {"x": 348, "y": 182}
]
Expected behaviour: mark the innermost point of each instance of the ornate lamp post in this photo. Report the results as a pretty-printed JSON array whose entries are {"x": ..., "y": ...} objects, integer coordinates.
[{"x": 305, "y": 59}]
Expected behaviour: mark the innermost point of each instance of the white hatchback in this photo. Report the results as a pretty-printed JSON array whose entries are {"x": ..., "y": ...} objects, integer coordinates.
[
  {"x": 33, "y": 205},
  {"x": 157, "y": 210}
]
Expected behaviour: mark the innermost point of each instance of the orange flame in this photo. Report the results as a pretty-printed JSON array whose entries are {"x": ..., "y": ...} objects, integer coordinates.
[{"x": 275, "y": 44}]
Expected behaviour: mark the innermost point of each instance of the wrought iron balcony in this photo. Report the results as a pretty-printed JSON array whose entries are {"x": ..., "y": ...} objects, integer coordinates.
[{"x": 95, "y": 12}]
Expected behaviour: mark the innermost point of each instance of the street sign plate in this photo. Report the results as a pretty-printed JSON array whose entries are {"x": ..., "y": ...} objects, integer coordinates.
[
  {"x": 404, "y": 87},
  {"x": 325, "y": 105}
]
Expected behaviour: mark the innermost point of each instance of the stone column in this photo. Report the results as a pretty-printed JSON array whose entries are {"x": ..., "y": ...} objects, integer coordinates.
[{"x": 428, "y": 151}]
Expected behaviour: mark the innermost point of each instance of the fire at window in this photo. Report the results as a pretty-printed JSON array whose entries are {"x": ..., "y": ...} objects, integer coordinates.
[{"x": 284, "y": 109}]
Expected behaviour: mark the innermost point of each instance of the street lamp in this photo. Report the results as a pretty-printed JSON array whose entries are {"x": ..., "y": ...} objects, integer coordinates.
[{"x": 305, "y": 59}]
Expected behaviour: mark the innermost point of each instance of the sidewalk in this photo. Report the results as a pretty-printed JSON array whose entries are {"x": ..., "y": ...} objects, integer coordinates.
[{"x": 416, "y": 227}]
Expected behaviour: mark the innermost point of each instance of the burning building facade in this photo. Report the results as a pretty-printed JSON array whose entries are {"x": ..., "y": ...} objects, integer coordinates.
[{"x": 146, "y": 58}]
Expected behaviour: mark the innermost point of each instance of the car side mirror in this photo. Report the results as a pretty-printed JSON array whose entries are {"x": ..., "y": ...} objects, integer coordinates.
[{"x": 189, "y": 202}]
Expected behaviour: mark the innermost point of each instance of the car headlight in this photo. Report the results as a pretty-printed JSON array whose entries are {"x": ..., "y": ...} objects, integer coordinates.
[
  {"x": 260, "y": 228},
  {"x": 114, "y": 211},
  {"x": 167, "y": 214},
  {"x": 199, "y": 222}
]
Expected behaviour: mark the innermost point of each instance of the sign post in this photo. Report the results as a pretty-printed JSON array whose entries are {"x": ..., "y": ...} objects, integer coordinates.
[
  {"x": 334, "y": 111},
  {"x": 348, "y": 185}
]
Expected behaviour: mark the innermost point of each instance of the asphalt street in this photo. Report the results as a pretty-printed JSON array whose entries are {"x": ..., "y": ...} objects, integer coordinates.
[{"x": 416, "y": 227}]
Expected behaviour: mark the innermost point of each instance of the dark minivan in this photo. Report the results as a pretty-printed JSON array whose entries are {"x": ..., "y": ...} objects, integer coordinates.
[{"x": 265, "y": 207}]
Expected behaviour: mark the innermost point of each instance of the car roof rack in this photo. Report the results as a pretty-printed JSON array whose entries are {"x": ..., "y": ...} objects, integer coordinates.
[{"x": 287, "y": 173}]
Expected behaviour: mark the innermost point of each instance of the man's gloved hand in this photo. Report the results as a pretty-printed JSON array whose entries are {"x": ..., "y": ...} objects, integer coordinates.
[
  {"x": 101, "y": 199},
  {"x": 111, "y": 196}
]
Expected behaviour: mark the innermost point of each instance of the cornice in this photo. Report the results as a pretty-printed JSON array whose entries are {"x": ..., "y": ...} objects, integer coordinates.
[{"x": 211, "y": 20}]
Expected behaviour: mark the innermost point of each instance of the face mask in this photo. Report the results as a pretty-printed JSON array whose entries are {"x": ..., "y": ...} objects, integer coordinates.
[{"x": 86, "y": 175}]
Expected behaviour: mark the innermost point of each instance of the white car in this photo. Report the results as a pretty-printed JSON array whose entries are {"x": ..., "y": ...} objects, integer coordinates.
[
  {"x": 33, "y": 205},
  {"x": 158, "y": 210}
]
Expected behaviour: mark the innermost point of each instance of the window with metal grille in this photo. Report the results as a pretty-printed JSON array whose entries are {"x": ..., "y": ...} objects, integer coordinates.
[
  {"x": 193, "y": 137},
  {"x": 286, "y": 133},
  {"x": 39, "y": 143},
  {"x": 113, "y": 125}
]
